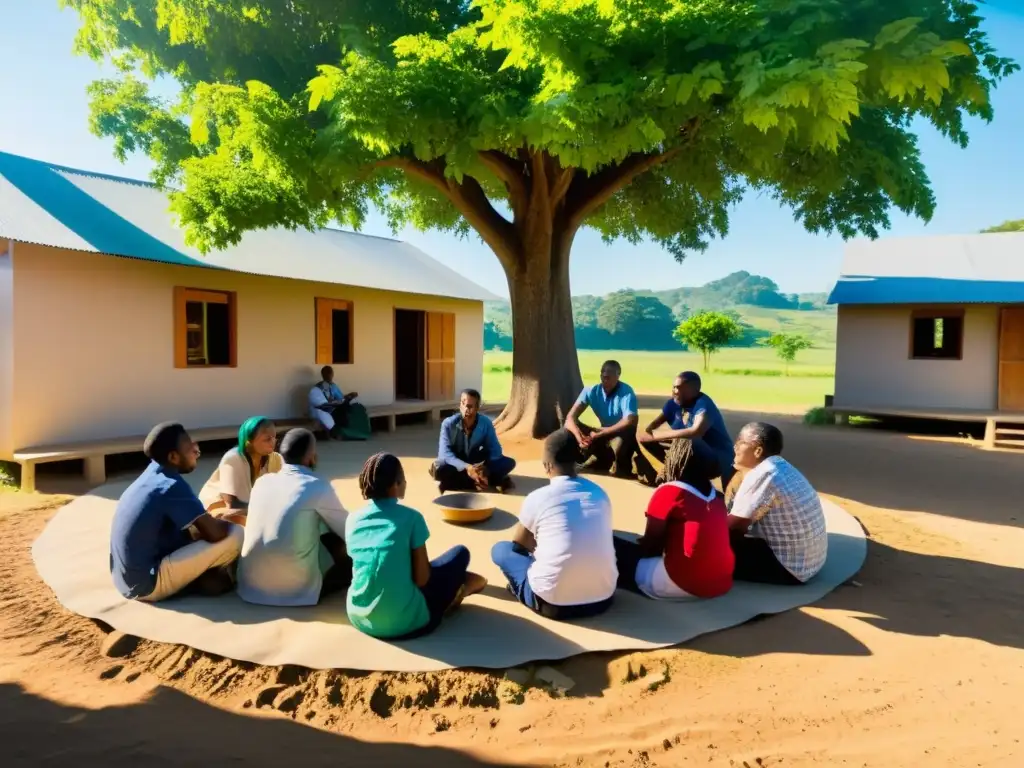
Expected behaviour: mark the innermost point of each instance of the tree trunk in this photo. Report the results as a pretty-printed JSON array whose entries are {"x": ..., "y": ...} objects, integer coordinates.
[{"x": 545, "y": 369}]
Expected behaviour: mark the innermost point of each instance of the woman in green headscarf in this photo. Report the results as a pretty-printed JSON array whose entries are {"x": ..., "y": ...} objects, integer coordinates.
[{"x": 227, "y": 491}]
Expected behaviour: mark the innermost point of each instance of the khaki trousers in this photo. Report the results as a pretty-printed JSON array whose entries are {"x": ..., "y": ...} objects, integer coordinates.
[{"x": 183, "y": 566}]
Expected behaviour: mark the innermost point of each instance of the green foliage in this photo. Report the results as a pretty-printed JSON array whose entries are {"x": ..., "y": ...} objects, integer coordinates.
[
  {"x": 1015, "y": 225},
  {"x": 708, "y": 332},
  {"x": 787, "y": 345},
  {"x": 9, "y": 475},
  {"x": 812, "y": 318},
  {"x": 646, "y": 120},
  {"x": 628, "y": 316}
]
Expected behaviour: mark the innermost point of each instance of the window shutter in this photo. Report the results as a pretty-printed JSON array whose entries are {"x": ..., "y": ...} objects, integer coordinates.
[
  {"x": 324, "y": 332},
  {"x": 180, "y": 329}
]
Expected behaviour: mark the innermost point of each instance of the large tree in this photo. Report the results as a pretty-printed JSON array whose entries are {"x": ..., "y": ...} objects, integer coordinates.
[{"x": 525, "y": 120}]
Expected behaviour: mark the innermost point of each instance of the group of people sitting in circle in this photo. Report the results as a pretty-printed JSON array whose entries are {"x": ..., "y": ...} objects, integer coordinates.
[{"x": 267, "y": 524}]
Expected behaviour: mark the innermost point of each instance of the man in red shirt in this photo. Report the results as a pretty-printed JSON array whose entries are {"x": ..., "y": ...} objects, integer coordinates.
[{"x": 685, "y": 551}]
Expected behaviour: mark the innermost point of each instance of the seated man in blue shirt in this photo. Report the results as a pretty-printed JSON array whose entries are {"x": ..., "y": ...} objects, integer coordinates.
[
  {"x": 153, "y": 554},
  {"x": 692, "y": 415},
  {"x": 469, "y": 455},
  {"x": 613, "y": 446}
]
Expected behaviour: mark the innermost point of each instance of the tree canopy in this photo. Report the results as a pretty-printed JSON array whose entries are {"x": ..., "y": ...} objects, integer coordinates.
[
  {"x": 787, "y": 345},
  {"x": 523, "y": 120},
  {"x": 708, "y": 331},
  {"x": 1014, "y": 225}
]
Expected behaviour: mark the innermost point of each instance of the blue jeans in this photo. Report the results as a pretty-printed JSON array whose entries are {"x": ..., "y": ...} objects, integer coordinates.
[
  {"x": 456, "y": 480},
  {"x": 447, "y": 575},
  {"x": 514, "y": 562}
]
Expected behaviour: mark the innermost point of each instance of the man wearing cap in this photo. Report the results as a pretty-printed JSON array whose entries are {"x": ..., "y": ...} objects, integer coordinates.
[
  {"x": 294, "y": 552},
  {"x": 692, "y": 415},
  {"x": 613, "y": 445},
  {"x": 162, "y": 541}
]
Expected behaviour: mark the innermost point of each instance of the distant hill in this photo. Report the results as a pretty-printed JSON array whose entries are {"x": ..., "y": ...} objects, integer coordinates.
[{"x": 631, "y": 319}]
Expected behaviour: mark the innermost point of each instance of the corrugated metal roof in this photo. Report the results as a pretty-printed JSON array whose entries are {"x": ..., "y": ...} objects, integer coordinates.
[
  {"x": 957, "y": 269},
  {"x": 77, "y": 210}
]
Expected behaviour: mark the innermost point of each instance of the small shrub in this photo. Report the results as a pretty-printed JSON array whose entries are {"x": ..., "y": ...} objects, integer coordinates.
[
  {"x": 818, "y": 416},
  {"x": 9, "y": 475}
]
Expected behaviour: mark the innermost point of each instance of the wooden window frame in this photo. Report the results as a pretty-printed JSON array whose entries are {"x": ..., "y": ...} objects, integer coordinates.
[
  {"x": 184, "y": 295},
  {"x": 323, "y": 349},
  {"x": 937, "y": 314}
]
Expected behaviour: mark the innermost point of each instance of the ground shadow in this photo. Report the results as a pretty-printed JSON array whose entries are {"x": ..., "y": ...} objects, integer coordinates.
[
  {"x": 466, "y": 639},
  {"x": 171, "y": 728},
  {"x": 897, "y": 471}
]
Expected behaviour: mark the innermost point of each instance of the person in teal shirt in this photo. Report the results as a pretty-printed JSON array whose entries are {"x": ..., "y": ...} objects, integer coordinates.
[{"x": 397, "y": 592}]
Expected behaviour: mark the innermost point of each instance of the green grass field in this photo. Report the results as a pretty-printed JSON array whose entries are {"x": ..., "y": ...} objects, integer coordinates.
[{"x": 740, "y": 378}]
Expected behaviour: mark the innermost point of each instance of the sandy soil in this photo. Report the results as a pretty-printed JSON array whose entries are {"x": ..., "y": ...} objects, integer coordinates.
[{"x": 921, "y": 664}]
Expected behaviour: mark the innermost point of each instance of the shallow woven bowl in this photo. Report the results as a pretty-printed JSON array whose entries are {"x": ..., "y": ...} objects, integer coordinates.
[{"x": 464, "y": 508}]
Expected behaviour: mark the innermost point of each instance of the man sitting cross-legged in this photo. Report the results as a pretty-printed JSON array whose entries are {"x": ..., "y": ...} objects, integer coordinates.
[
  {"x": 294, "y": 551},
  {"x": 162, "y": 541},
  {"x": 693, "y": 416},
  {"x": 561, "y": 561},
  {"x": 613, "y": 446},
  {"x": 777, "y": 525},
  {"x": 469, "y": 455}
]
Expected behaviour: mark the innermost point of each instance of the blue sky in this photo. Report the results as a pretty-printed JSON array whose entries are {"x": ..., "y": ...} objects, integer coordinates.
[{"x": 42, "y": 85}]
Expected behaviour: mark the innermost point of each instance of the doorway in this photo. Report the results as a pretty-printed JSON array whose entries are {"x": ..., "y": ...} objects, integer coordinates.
[
  {"x": 1011, "y": 359},
  {"x": 410, "y": 354}
]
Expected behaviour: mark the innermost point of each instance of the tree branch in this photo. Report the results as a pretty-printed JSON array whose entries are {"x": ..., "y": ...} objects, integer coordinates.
[
  {"x": 587, "y": 194},
  {"x": 510, "y": 172},
  {"x": 561, "y": 185},
  {"x": 469, "y": 199}
]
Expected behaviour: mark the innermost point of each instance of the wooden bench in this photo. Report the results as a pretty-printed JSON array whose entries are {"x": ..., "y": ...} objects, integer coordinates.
[
  {"x": 94, "y": 453},
  {"x": 392, "y": 411}
]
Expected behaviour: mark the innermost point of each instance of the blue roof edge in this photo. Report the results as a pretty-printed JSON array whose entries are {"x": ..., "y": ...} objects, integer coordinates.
[{"x": 866, "y": 289}]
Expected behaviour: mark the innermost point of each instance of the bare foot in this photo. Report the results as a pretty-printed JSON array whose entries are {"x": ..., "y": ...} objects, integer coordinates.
[{"x": 474, "y": 584}]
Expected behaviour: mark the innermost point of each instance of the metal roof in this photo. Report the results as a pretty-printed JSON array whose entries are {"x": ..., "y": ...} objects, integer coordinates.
[
  {"x": 950, "y": 269},
  {"x": 66, "y": 208}
]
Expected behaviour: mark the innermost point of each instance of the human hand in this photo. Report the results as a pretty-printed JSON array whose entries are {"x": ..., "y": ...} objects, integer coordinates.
[{"x": 646, "y": 437}]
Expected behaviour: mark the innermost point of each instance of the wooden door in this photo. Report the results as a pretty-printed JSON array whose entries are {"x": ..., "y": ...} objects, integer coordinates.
[
  {"x": 440, "y": 346},
  {"x": 1011, "y": 359}
]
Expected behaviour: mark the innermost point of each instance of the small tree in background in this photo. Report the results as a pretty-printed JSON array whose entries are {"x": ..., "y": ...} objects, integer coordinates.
[
  {"x": 1016, "y": 225},
  {"x": 708, "y": 332},
  {"x": 787, "y": 345}
]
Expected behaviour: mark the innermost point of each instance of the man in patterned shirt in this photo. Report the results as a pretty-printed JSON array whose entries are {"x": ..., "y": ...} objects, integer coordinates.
[{"x": 776, "y": 523}]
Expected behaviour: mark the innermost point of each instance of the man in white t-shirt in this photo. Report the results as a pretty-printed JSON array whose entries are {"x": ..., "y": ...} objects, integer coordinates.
[
  {"x": 561, "y": 560},
  {"x": 294, "y": 550}
]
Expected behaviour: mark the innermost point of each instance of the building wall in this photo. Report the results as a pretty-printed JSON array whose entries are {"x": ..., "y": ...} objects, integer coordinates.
[
  {"x": 6, "y": 346},
  {"x": 95, "y": 347},
  {"x": 873, "y": 365}
]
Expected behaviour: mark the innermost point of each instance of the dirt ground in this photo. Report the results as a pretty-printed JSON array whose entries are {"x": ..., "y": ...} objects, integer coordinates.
[{"x": 919, "y": 662}]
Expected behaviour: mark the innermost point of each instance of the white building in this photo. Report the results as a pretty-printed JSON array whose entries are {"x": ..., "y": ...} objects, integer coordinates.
[
  {"x": 933, "y": 327},
  {"x": 109, "y": 323}
]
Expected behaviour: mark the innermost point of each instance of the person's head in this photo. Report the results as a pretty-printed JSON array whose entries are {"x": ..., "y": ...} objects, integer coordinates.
[
  {"x": 298, "y": 447},
  {"x": 756, "y": 442},
  {"x": 610, "y": 373},
  {"x": 469, "y": 404},
  {"x": 256, "y": 437},
  {"x": 686, "y": 388},
  {"x": 684, "y": 465},
  {"x": 170, "y": 445},
  {"x": 561, "y": 452},
  {"x": 327, "y": 374},
  {"x": 382, "y": 478}
]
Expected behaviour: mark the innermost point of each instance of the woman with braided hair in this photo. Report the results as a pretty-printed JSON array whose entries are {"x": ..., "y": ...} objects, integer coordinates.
[
  {"x": 397, "y": 592},
  {"x": 684, "y": 552}
]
